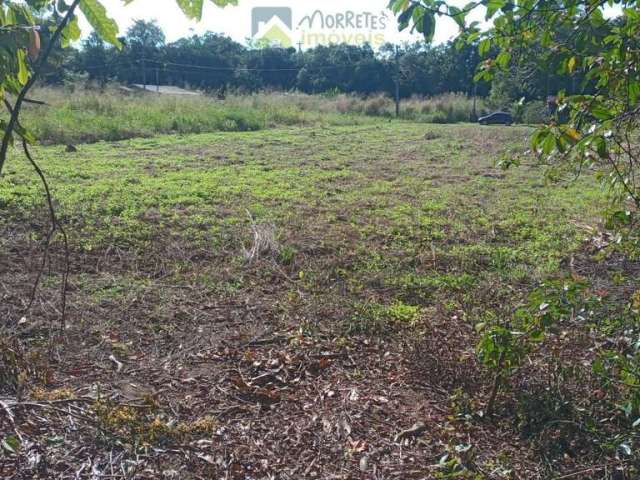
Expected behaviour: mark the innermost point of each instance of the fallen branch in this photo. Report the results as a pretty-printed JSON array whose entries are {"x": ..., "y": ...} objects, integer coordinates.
[{"x": 414, "y": 432}]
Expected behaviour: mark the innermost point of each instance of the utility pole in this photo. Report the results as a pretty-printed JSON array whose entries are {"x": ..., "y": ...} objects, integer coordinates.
[
  {"x": 144, "y": 74},
  {"x": 299, "y": 47},
  {"x": 474, "y": 114},
  {"x": 397, "y": 81},
  {"x": 158, "y": 79}
]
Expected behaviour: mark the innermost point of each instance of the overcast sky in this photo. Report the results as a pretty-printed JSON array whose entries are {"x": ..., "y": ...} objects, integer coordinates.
[{"x": 235, "y": 22}]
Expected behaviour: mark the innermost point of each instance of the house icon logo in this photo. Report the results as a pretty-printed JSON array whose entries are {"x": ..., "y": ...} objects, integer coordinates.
[{"x": 272, "y": 25}]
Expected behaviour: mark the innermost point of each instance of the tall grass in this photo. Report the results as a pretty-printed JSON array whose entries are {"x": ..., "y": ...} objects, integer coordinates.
[
  {"x": 79, "y": 115},
  {"x": 445, "y": 108}
]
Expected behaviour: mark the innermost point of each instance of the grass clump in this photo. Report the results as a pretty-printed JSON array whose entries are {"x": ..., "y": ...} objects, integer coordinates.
[
  {"x": 83, "y": 115},
  {"x": 378, "y": 319}
]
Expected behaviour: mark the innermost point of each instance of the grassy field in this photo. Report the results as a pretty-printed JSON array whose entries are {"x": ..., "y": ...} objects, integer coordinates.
[
  {"x": 78, "y": 115},
  {"x": 378, "y": 248}
]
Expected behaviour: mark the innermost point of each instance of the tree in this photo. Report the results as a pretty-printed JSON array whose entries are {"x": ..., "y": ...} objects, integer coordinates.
[
  {"x": 21, "y": 62},
  {"x": 145, "y": 37},
  {"x": 95, "y": 58},
  {"x": 346, "y": 68},
  {"x": 207, "y": 61},
  {"x": 273, "y": 67},
  {"x": 142, "y": 52}
]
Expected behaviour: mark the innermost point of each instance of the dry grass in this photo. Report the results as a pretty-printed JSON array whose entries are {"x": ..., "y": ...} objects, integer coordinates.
[
  {"x": 79, "y": 115},
  {"x": 264, "y": 242}
]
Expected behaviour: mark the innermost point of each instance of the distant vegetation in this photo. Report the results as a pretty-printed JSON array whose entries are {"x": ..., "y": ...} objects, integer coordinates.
[
  {"x": 85, "y": 115},
  {"x": 217, "y": 64}
]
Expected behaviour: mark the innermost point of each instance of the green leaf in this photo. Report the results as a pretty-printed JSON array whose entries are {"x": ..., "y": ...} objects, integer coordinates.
[
  {"x": 397, "y": 6},
  {"x": 601, "y": 112},
  {"x": 405, "y": 17},
  {"x": 11, "y": 444},
  {"x": 26, "y": 134},
  {"x": 224, "y": 3},
  {"x": 104, "y": 26},
  {"x": 191, "y": 8},
  {"x": 458, "y": 16},
  {"x": 633, "y": 14},
  {"x": 549, "y": 144},
  {"x": 536, "y": 336},
  {"x": 601, "y": 147},
  {"x": 428, "y": 26},
  {"x": 503, "y": 59},
  {"x": 71, "y": 32},
  {"x": 484, "y": 46},
  {"x": 23, "y": 69},
  {"x": 493, "y": 6}
]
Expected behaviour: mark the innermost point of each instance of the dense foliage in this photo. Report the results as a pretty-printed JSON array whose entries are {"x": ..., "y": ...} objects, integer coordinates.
[{"x": 215, "y": 62}]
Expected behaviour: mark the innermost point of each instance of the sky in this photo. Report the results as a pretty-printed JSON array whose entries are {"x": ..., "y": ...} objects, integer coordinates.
[{"x": 236, "y": 22}]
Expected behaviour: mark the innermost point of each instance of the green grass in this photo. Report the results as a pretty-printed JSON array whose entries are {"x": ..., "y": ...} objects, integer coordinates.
[
  {"x": 77, "y": 115},
  {"x": 396, "y": 212},
  {"x": 389, "y": 235}
]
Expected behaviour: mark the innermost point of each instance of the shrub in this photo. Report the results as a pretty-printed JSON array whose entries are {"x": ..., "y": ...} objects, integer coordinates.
[
  {"x": 446, "y": 108},
  {"x": 535, "y": 112},
  {"x": 377, "y": 106}
]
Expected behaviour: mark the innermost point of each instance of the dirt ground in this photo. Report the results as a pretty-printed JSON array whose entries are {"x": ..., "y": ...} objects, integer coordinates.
[{"x": 295, "y": 303}]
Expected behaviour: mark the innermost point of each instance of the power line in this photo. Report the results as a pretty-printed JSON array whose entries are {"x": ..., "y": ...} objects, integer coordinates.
[
  {"x": 230, "y": 69},
  {"x": 163, "y": 65},
  {"x": 191, "y": 69},
  {"x": 248, "y": 69}
]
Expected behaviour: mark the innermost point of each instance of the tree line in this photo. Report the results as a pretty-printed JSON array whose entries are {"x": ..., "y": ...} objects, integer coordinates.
[{"x": 214, "y": 62}]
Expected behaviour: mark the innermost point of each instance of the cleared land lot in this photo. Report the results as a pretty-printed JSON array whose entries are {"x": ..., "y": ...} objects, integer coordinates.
[{"x": 387, "y": 243}]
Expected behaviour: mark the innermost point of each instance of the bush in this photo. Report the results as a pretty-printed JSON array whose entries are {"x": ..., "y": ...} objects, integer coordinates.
[
  {"x": 446, "y": 108},
  {"x": 377, "y": 106},
  {"x": 535, "y": 112}
]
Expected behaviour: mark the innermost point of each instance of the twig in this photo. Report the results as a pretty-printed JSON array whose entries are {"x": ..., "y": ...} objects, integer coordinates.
[
  {"x": 496, "y": 385},
  {"x": 35, "y": 102},
  {"x": 63, "y": 401},
  {"x": 55, "y": 225},
  {"x": 48, "y": 406},
  {"x": 593, "y": 469}
]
